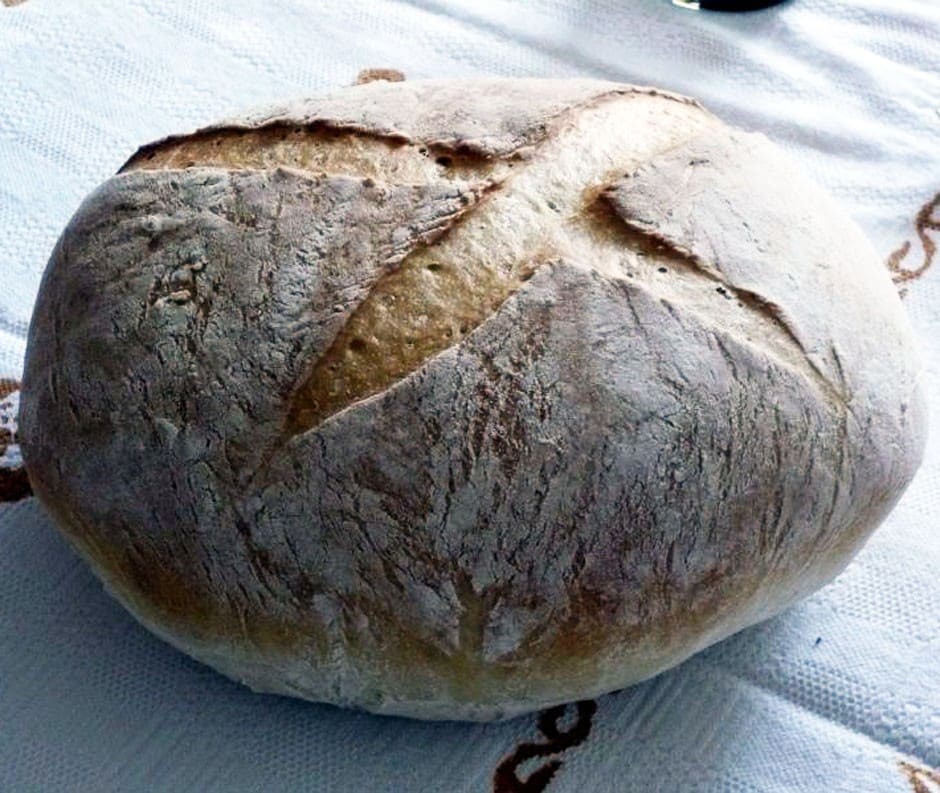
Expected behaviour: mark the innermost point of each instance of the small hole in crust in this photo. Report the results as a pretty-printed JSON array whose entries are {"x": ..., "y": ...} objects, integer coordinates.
[
  {"x": 662, "y": 270},
  {"x": 357, "y": 345},
  {"x": 435, "y": 267},
  {"x": 444, "y": 162}
]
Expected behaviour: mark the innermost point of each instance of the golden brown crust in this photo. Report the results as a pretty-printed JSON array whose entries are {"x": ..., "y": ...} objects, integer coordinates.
[
  {"x": 424, "y": 307},
  {"x": 318, "y": 148}
]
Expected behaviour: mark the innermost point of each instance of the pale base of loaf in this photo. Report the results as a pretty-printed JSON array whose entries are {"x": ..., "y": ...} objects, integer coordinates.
[
  {"x": 346, "y": 684},
  {"x": 297, "y": 668}
]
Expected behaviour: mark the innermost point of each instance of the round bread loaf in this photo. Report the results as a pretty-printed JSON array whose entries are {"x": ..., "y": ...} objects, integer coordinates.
[{"x": 461, "y": 399}]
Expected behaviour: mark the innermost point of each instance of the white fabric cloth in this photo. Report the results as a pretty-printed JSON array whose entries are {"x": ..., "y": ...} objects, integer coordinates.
[{"x": 835, "y": 695}]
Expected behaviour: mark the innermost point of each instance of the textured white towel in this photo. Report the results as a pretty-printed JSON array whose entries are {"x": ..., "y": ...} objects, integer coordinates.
[{"x": 841, "y": 693}]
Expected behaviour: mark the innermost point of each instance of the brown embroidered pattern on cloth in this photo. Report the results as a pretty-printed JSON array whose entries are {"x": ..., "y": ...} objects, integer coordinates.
[
  {"x": 371, "y": 75},
  {"x": 924, "y": 223},
  {"x": 919, "y": 777},
  {"x": 506, "y": 779},
  {"x": 14, "y": 483},
  {"x": 9, "y": 3}
]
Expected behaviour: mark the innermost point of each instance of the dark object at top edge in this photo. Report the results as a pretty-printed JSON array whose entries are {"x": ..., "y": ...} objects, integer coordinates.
[{"x": 730, "y": 5}]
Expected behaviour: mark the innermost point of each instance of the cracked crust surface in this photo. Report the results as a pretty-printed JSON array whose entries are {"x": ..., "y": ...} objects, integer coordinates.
[{"x": 468, "y": 437}]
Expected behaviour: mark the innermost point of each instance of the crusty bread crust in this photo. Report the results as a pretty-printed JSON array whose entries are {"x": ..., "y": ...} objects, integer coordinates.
[{"x": 461, "y": 399}]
